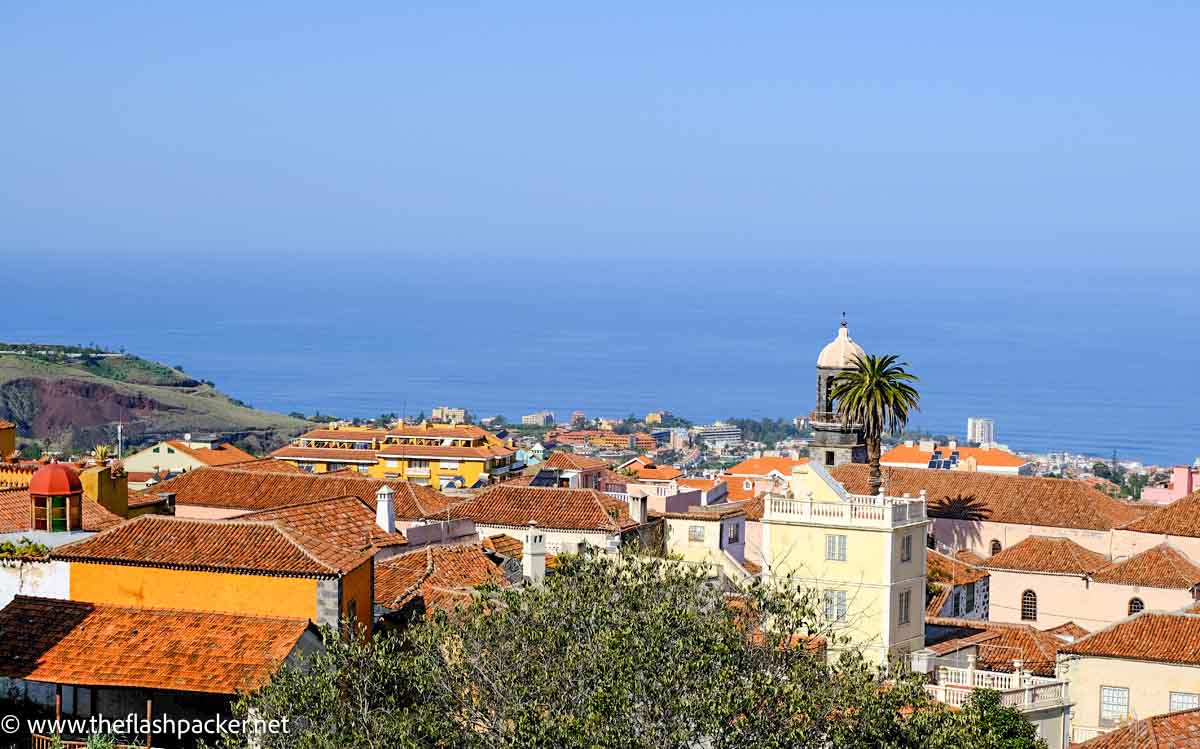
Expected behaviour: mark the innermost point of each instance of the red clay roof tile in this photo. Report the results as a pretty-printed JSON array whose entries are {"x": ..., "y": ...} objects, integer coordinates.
[
  {"x": 1146, "y": 636},
  {"x": 1047, "y": 554},
  {"x": 1178, "y": 730},
  {"x": 565, "y": 509},
  {"x": 439, "y": 575},
  {"x": 1162, "y": 566}
]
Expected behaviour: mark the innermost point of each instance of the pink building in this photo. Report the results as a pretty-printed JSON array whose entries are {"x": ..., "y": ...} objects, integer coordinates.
[{"x": 1184, "y": 481}]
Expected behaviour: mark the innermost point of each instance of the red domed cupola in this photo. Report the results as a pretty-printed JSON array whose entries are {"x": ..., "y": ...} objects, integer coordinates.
[
  {"x": 55, "y": 478},
  {"x": 55, "y": 499}
]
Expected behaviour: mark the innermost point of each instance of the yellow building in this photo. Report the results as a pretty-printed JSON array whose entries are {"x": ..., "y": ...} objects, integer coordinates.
[
  {"x": 8, "y": 440},
  {"x": 443, "y": 456},
  {"x": 863, "y": 556},
  {"x": 236, "y": 567}
]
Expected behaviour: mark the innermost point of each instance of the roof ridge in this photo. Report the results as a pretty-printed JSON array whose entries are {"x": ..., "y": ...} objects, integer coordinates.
[{"x": 303, "y": 503}]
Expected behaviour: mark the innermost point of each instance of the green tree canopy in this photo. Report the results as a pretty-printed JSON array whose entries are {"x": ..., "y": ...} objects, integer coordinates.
[
  {"x": 628, "y": 652},
  {"x": 876, "y": 396}
]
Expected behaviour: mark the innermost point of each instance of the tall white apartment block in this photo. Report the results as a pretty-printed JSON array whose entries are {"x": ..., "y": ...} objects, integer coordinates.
[{"x": 981, "y": 430}]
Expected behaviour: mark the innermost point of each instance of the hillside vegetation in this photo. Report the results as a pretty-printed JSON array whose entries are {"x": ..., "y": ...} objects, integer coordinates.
[{"x": 73, "y": 397}]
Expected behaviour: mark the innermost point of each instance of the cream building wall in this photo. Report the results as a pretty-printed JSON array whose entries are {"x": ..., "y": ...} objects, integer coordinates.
[
  {"x": 1149, "y": 684},
  {"x": 882, "y": 573},
  {"x": 977, "y": 536},
  {"x": 1064, "y": 598}
]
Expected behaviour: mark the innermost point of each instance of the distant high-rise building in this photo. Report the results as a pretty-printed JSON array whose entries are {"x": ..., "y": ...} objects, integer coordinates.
[
  {"x": 981, "y": 430},
  {"x": 448, "y": 415},
  {"x": 539, "y": 419}
]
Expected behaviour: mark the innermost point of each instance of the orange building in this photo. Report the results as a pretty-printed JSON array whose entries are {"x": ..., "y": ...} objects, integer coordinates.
[
  {"x": 8, "y": 440},
  {"x": 253, "y": 568}
]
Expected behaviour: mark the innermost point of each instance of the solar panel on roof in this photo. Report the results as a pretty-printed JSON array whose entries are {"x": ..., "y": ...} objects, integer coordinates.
[{"x": 933, "y": 463}]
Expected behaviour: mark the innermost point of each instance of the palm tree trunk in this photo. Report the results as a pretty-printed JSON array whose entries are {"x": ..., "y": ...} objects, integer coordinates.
[{"x": 873, "y": 451}]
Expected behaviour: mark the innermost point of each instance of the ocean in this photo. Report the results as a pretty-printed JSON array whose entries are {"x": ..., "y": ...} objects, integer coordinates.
[{"x": 1080, "y": 356}]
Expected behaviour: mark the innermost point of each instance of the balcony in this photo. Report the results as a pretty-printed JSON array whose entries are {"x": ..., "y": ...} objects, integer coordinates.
[
  {"x": 410, "y": 471},
  {"x": 830, "y": 420},
  {"x": 857, "y": 510},
  {"x": 1024, "y": 691}
]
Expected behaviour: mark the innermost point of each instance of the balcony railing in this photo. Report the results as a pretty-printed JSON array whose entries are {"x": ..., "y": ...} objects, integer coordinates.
[
  {"x": 38, "y": 741},
  {"x": 1023, "y": 691},
  {"x": 858, "y": 509},
  {"x": 831, "y": 419}
]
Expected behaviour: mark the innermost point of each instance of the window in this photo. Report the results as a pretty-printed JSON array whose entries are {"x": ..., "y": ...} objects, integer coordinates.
[
  {"x": 734, "y": 534},
  {"x": 1184, "y": 701},
  {"x": 905, "y": 607},
  {"x": 393, "y": 463},
  {"x": 955, "y": 608},
  {"x": 835, "y": 605},
  {"x": 906, "y": 548},
  {"x": 1114, "y": 705},
  {"x": 995, "y": 547},
  {"x": 156, "y": 450},
  {"x": 363, "y": 470},
  {"x": 747, "y": 484},
  {"x": 170, "y": 451},
  {"x": 969, "y": 604},
  {"x": 420, "y": 465},
  {"x": 835, "y": 548},
  {"x": 696, "y": 533},
  {"x": 930, "y": 541},
  {"x": 1135, "y": 605},
  {"x": 1029, "y": 606},
  {"x": 829, "y": 457}
]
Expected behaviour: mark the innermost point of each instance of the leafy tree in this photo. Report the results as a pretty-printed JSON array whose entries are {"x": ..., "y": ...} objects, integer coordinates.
[
  {"x": 624, "y": 652},
  {"x": 877, "y": 396}
]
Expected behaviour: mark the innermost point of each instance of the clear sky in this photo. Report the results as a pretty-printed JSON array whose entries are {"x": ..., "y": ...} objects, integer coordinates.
[{"x": 1014, "y": 131}]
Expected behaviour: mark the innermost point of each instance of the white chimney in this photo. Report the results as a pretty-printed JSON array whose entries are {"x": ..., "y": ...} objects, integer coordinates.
[
  {"x": 385, "y": 510},
  {"x": 638, "y": 504},
  {"x": 533, "y": 554},
  {"x": 953, "y": 444}
]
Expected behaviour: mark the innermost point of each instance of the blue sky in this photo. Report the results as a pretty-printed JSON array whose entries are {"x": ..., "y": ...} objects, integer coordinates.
[{"x": 939, "y": 133}]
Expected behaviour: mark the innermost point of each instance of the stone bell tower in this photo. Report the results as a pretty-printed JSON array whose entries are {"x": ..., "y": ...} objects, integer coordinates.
[{"x": 835, "y": 443}]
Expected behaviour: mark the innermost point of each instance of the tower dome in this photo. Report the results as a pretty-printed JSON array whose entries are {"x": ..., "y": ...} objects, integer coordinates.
[
  {"x": 840, "y": 352},
  {"x": 55, "y": 479}
]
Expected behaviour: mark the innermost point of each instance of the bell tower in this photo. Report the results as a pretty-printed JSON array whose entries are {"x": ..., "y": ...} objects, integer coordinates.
[{"x": 835, "y": 443}]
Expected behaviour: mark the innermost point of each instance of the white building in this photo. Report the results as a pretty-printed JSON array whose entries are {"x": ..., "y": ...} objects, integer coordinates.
[
  {"x": 981, "y": 430},
  {"x": 539, "y": 419},
  {"x": 720, "y": 435}
]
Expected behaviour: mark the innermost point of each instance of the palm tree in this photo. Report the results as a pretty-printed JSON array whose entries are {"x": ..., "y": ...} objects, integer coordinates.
[{"x": 876, "y": 397}]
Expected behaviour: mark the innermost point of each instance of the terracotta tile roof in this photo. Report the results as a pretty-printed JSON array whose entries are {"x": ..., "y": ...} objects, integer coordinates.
[
  {"x": 969, "y": 557},
  {"x": 319, "y": 454},
  {"x": 14, "y": 513},
  {"x": 237, "y": 489},
  {"x": 217, "y": 545},
  {"x": 1069, "y": 630},
  {"x": 7, "y": 425},
  {"x": 1162, "y": 566},
  {"x": 1178, "y": 730},
  {"x": 218, "y": 455},
  {"x": 270, "y": 465},
  {"x": 947, "y": 572},
  {"x": 994, "y": 458},
  {"x": 348, "y": 522},
  {"x": 1021, "y": 500},
  {"x": 754, "y": 568},
  {"x": 736, "y": 491},
  {"x": 1060, "y": 556},
  {"x": 764, "y": 466},
  {"x": 71, "y": 642},
  {"x": 479, "y": 452},
  {"x": 504, "y": 545},
  {"x": 1146, "y": 636},
  {"x": 439, "y": 576},
  {"x": 572, "y": 462},
  {"x": 753, "y": 508},
  {"x": 1180, "y": 518},
  {"x": 701, "y": 484},
  {"x": 564, "y": 509},
  {"x": 507, "y": 546},
  {"x": 658, "y": 473},
  {"x": 999, "y": 644}
]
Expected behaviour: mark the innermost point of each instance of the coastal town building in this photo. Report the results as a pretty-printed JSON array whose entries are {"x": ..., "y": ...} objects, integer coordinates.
[
  {"x": 1145, "y": 665},
  {"x": 712, "y": 535},
  {"x": 720, "y": 435},
  {"x": 834, "y": 441},
  {"x": 955, "y": 457},
  {"x": 1047, "y": 581},
  {"x": 538, "y": 419},
  {"x": 1184, "y": 481},
  {"x": 448, "y": 415},
  {"x": 443, "y": 456},
  {"x": 955, "y": 588},
  {"x": 569, "y": 518},
  {"x": 252, "y": 568},
  {"x": 569, "y": 471},
  {"x": 981, "y": 431},
  {"x": 864, "y": 554},
  {"x": 76, "y": 659},
  {"x": 431, "y": 578},
  {"x": 1178, "y": 730},
  {"x": 754, "y": 477},
  {"x": 233, "y": 491},
  {"x": 186, "y": 454}
]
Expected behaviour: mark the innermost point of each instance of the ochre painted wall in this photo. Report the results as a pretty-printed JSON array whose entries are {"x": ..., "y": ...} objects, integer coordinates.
[
  {"x": 155, "y": 587},
  {"x": 357, "y": 592},
  {"x": 8, "y": 440}
]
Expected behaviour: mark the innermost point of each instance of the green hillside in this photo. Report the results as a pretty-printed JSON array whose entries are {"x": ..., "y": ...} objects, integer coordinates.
[{"x": 73, "y": 398}]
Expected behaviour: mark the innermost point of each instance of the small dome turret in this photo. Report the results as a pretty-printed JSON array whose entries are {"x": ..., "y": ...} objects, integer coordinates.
[{"x": 840, "y": 352}]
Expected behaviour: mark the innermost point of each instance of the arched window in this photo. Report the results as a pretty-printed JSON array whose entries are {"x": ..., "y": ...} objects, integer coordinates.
[
  {"x": 747, "y": 484},
  {"x": 1029, "y": 606},
  {"x": 1135, "y": 605},
  {"x": 995, "y": 547}
]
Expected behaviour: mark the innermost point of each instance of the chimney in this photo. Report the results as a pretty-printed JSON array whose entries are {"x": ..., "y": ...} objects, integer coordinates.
[
  {"x": 953, "y": 444},
  {"x": 533, "y": 555},
  {"x": 927, "y": 446},
  {"x": 385, "y": 511},
  {"x": 637, "y": 507},
  {"x": 909, "y": 443}
]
